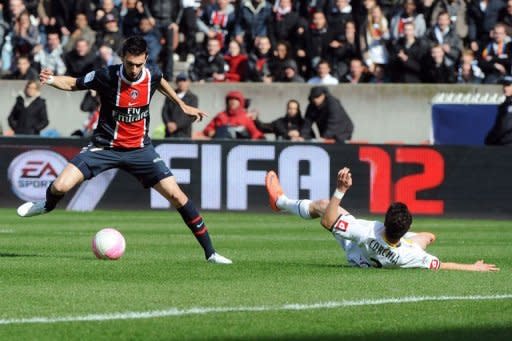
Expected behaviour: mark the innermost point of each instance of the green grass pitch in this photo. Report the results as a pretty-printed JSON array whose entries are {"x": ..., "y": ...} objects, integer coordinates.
[{"x": 47, "y": 270}]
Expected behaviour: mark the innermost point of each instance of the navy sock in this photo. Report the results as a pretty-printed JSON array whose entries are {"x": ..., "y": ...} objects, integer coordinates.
[
  {"x": 51, "y": 199},
  {"x": 196, "y": 224}
]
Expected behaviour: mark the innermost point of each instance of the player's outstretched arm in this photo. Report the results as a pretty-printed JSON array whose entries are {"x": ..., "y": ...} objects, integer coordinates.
[
  {"x": 343, "y": 183},
  {"x": 479, "y": 266},
  {"x": 166, "y": 90},
  {"x": 59, "y": 82}
]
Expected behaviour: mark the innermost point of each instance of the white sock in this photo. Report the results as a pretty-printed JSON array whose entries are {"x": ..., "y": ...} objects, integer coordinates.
[{"x": 297, "y": 207}]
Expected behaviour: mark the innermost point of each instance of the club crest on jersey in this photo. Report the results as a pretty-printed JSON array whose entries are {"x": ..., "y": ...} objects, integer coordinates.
[{"x": 134, "y": 93}]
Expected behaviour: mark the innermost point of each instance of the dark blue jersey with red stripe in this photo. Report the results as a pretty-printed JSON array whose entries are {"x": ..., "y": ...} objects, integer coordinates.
[{"x": 124, "y": 115}]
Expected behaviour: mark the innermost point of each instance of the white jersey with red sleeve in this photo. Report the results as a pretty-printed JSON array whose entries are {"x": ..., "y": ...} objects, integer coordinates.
[{"x": 365, "y": 246}]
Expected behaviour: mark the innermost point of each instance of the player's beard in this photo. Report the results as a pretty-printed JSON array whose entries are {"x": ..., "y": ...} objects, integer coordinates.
[{"x": 130, "y": 78}]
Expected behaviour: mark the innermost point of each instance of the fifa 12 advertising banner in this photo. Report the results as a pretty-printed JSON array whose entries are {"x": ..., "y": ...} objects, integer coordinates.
[{"x": 222, "y": 175}]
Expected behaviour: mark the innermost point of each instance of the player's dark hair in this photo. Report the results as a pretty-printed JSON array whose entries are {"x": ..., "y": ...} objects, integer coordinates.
[
  {"x": 398, "y": 221},
  {"x": 135, "y": 45}
]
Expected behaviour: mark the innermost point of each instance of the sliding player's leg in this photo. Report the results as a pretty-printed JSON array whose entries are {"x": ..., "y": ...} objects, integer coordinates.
[
  {"x": 67, "y": 180},
  {"x": 306, "y": 209},
  {"x": 170, "y": 190}
]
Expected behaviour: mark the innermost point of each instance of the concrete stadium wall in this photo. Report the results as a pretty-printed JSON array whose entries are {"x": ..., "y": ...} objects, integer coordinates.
[{"x": 381, "y": 113}]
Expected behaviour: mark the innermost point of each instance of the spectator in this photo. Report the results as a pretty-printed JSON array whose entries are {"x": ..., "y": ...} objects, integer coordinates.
[
  {"x": 379, "y": 75},
  {"x": 25, "y": 35},
  {"x": 254, "y": 18},
  {"x": 290, "y": 73},
  {"x": 177, "y": 124},
  {"x": 50, "y": 56},
  {"x": 24, "y": 71},
  {"x": 323, "y": 76},
  {"x": 105, "y": 9},
  {"x": 218, "y": 21},
  {"x": 280, "y": 60},
  {"x": 374, "y": 36},
  {"x": 469, "y": 72},
  {"x": 438, "y": 69},
  {"x": 152, "y": 37},
  {"x": 407, "y": 57},
  {"x": 131, "y": 14},
  {"x": 482, "y": 17},
  {"x": 209, "y": 65},
  {"x": 329, "y": 115},
  {"x": 358, "y": 73},
  {"x": 82, "y": 31},
  {"x": 286, "y": 25},
  {"x": 457, "y": 10},
  {"x": 65, "y": 13},
  {"x": 91, "y": 105},
  {"x": 4, "y": 27},
  {"x": 443, "y": 34},
  {"x": 495, "y": 57},
  {"x": 163, "y": 15},
  {"x": 501, "y": 133},
  {"x": 505, "y": 17},
  {"x": 338, "y": 14},
  {"x": 188, "y": 25},
  {"x": 306, "y": 8},
  {"x": 21, "y": 36},
  {"x": 80, "y": 60},
  {"x": 236, "y": 63},
  {"x": 343, "y": 50},
  {"x": 234, "y": 122},
  {"x": 28, "y": 116},
  {"x": 111, "y": 34},
  {"x": 260, "y": 60},
  {"x": 287, "y": 127},
  {"x": 106, "y": 57},
  {"x": 408, "y": 14},
  {"x": 316, "y": 42}
]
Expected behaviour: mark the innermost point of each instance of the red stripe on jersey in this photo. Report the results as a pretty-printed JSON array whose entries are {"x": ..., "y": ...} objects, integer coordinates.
[
  {"x": 130, "y": 135},
  {"x": 132, "y": 95}
]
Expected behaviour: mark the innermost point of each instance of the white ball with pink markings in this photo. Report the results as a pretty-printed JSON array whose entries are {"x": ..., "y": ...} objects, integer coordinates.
[{"x": 108, "y": 243}]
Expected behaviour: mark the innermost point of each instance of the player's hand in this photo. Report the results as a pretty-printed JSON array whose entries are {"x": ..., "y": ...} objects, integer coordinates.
[
  {"x": 344, "y": 180},
  {"x": 483, "y": 267},
  {"x": 45, "y": 75},
  {"x": 197, "y": 114}
]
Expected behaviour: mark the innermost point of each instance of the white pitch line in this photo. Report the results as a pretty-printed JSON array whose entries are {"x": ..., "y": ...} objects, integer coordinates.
[{"x": 135, "y": 315}]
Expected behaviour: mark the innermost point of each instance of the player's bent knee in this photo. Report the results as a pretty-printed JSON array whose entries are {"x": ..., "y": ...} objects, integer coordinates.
[{"x": 62, "y": 186}]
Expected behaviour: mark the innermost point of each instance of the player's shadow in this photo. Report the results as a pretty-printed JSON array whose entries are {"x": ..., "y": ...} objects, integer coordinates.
[
  {"x": 14, "y": 255},
  {"x": 322, "y": 265}
]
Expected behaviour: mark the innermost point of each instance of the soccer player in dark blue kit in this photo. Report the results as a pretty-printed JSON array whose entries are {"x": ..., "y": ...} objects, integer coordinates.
[{"x": 120, "y": 139}]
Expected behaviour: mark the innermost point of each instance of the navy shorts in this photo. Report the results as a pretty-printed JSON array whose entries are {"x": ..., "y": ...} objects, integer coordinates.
[{"x": 145, "y": 164}]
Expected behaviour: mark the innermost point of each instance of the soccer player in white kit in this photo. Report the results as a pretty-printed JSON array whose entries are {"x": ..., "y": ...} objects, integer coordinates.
[{"x": 368, "y": 243}]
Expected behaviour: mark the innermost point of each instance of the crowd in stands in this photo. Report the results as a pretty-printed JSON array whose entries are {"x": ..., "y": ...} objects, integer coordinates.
[
  {"x": 314, "y": 41},
  {"x": 319, "y": 42}
]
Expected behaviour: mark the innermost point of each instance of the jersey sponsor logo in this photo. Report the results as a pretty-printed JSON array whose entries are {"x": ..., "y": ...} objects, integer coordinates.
[
  {"x": 32, "y": 172},
  {"x": 130, "y": 115}
]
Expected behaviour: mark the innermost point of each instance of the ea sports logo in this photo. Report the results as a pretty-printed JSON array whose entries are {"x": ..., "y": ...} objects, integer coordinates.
[{"x": 30, "y": 173}]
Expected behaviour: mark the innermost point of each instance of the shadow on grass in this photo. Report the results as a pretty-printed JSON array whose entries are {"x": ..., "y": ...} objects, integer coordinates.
[
  {"x": 490, "y": 333},
  {"x": 13, "y": 255}
]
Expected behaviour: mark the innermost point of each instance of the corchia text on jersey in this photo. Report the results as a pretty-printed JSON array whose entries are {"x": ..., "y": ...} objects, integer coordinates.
[{"x": 384, "y": 251}]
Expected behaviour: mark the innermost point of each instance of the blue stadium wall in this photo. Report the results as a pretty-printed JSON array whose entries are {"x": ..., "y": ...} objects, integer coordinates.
[{"x": 229, "y": 176}]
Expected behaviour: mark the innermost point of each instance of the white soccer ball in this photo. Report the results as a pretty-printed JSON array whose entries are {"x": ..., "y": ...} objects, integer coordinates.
[{"x": 108, "y": 243}]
